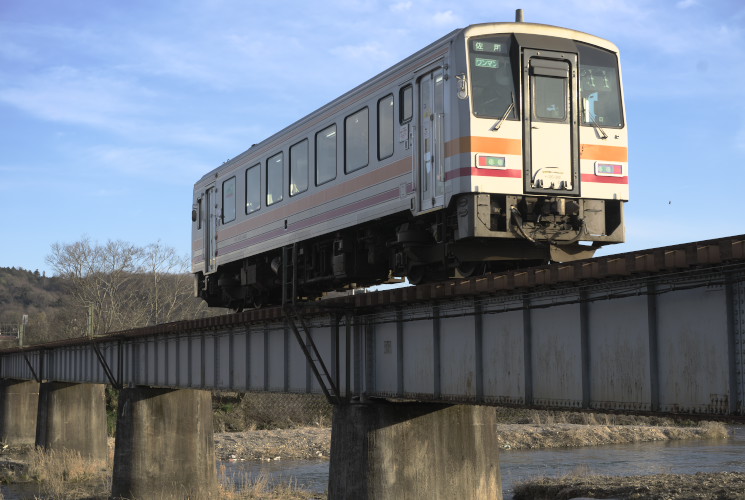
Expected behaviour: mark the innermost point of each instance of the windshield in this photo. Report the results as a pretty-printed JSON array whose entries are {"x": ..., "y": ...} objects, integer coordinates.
[
  {"x": 599, "y": 87},
  {"x": 492, "y": 84}
]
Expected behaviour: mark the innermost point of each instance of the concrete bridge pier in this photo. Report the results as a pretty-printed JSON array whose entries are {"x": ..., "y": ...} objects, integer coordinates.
[
  {"x": 73, "y": 417},
  {"x": 164, "y": 445},
  {"x": 19, "y": 403},
  {"x": 414, "y": 450}
]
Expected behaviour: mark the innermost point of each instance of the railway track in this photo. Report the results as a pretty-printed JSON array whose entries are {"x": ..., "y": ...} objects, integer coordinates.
[{"x": 684, "y": 258}]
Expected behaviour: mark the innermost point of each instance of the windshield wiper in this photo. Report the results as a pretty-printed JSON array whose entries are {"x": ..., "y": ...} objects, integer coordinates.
[
  {"x": 595, "y": 124},
  {"x": 600, "y": 130},
  {"x": 496, "y": 126}
]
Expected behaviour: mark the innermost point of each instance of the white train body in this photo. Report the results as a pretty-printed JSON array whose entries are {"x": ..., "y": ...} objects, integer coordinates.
[{"x": 496, "y": 144}]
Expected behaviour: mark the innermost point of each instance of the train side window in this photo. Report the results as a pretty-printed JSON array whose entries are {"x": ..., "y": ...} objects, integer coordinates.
[
  {"x": 253, "y": 188},
  {"x": 385, "y": 127},
  {"x": 406, "y": 104},
  {"x": 228, "y": 200},
  {"x": 274, "y": 175},
  {"x": 326, "y": 155},
  {"x": 199, "y": 213},
  {"x": 299, "y": 168},
  {"x": 356, "y": 145}
]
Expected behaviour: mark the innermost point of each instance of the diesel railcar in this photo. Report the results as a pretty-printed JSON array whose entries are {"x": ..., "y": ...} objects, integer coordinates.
[{"x": 500, "y": 144}]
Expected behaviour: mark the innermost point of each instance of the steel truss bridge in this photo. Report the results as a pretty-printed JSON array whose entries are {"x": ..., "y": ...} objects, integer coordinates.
[{"x": 660, "y": 330}]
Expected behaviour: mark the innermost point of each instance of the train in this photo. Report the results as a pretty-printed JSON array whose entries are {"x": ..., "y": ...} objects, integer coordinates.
[{"x": 500, "y": 145}]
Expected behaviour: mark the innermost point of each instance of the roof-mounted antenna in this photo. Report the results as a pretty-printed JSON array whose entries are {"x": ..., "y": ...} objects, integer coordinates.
[{"x": 519, "y": 16}]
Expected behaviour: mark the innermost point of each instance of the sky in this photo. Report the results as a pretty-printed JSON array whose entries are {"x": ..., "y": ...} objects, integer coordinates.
[{"x": 110, "y": 111}]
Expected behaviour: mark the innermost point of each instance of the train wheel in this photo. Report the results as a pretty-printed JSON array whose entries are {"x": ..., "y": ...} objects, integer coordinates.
[
  {"x": 419, "y": 275},
  {"x": 469, "y": 269},
  {"x": 257, "y": 301},
  {"x": 416, "y": 275}
]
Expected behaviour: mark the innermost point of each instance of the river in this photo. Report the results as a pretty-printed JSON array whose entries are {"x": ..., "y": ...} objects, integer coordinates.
[{"x": 674, "y": 457}]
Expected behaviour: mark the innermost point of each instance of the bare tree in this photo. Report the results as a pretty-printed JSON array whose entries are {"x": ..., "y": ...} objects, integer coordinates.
[
  {"x": 125, "y": 286},
  {"x": 170, "y": 292},
  {"x": 100, "y": 277}
]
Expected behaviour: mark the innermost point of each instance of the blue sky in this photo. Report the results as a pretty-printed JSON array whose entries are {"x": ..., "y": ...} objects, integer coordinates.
[{"x": 111, "y": 110}]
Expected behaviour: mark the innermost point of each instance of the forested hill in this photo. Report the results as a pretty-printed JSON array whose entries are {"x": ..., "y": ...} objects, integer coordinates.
[
  {"x": 60, "y": 308},
  {"x": 42, "y": 298},
  {"x": 27, "y": 289}
]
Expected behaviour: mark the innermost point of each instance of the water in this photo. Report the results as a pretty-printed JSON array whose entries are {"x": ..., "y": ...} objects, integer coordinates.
[
  {"x": 311, "y": 475},
  {"x": 669, "y": 457},
  {"x": 674, "y": 457}
]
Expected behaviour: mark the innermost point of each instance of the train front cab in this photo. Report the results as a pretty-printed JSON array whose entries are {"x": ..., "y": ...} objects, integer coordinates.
[{"x": 543, "y": 167}]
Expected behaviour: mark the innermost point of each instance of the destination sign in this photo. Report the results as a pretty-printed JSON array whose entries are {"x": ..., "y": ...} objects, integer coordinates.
[{"x": 484, "y": 46}]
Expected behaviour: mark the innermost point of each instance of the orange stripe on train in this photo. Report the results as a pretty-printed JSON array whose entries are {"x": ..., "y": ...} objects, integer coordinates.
[
  {"x": 496, "y": 145},
  {"x": 493, "y": 145},
  {"x": 603, "y": 153}
]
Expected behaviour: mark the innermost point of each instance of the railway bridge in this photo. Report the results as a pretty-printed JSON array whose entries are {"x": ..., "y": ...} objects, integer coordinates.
[{"x": 412, "y": 371}]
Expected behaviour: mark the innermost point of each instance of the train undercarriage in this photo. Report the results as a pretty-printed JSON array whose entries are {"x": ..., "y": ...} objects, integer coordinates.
[{"x": 476, "y": 234}]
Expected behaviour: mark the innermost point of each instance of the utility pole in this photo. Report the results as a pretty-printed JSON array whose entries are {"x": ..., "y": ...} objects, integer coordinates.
[{"x": 22, "y": 329}]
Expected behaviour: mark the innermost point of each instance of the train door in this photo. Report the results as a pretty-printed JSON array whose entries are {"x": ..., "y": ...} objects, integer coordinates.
[
  {"x": 431, "y": 136},
  {"x": 551, "y": 149},
  {"x": 210, "y": 229}
]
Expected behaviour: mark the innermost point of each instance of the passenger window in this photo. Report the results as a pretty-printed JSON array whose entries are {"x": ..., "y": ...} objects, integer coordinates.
[
  {"x": 326, "y": 155},
  {"x": 228, "y": 200},
  {"x": 385, "y": 127},
  {"x": 253, "y": 188},
  {"x": 199, "y": 213},
  {"x": 299, "y": 168},
  {"x": 274, "y": 174},
  {"x": 356, "y": 141},
  {"x": 406, "y": 103}
]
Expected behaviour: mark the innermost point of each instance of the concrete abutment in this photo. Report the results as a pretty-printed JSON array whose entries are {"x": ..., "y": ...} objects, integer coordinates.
[
  {"x": 164, "y": 445},
  {"x": 72, "y": 417},
  {"x": 19, "y": 404},
  {"x": 414, "y": 450}
]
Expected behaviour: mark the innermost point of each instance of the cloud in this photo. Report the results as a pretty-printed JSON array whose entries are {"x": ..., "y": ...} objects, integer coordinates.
[
  {"x": 446, "y": 18},
  {"x": 401, "y": 7},
  {"x": 10, "y": 51},
  {"x": 371, "y": 51},
  {"x": 684, "y": 4},
  {"x": 739, "y": 139},
  {"x": 167, "y": 165},
  {"x": 67, "y": 94}
]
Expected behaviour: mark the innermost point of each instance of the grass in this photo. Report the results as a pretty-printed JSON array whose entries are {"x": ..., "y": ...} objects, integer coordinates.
[{"x": 66, "y": 474}]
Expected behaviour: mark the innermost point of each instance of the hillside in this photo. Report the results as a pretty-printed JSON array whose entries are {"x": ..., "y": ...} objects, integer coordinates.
[
  {"x": 56, "y": 308},
  {"x": 46, "y": 301}
]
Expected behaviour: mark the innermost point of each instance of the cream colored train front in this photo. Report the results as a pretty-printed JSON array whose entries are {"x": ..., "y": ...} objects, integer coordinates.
[{"x": 498, "y": 145}]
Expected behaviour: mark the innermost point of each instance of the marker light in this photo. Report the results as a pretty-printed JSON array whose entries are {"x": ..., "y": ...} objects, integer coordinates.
[
  {"x": 612, "y": 169},
  {"x": 491, "y": 161}
]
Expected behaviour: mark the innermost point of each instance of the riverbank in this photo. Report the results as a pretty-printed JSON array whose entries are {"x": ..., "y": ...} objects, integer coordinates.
[
  {"x": 701, "y": 486},
  {"x": 315, "y": 442},
  {"x": 305, "y": 443}
]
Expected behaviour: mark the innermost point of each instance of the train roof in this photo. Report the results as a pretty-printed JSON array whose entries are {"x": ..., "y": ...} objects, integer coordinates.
[{"x": 471, "y": 30}]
